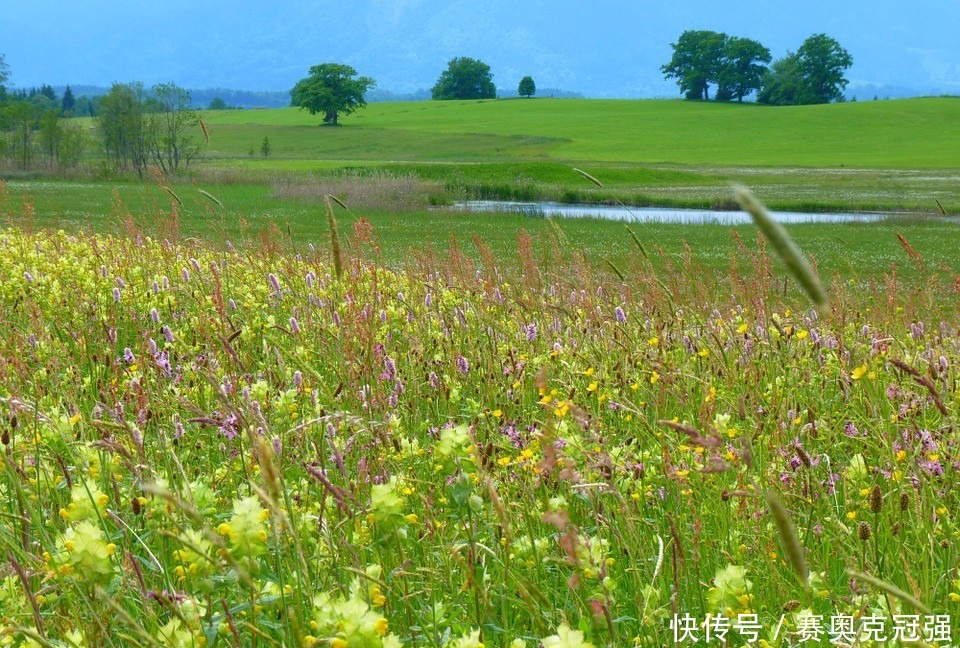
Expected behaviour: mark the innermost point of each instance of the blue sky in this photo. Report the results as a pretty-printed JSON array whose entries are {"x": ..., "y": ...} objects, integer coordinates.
[{"x": 603, "y": 48}]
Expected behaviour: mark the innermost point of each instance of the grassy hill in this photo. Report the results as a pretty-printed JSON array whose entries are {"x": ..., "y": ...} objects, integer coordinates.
[{"x": 903, "y": 134}]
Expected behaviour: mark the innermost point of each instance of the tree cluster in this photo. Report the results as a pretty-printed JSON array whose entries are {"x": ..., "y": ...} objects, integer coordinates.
[
  {"x": 738, "y": 67},
  {"x": 814, "y": 74},
  {"x": 32, "y": 131},
  {"x": 137, "y": 127}
]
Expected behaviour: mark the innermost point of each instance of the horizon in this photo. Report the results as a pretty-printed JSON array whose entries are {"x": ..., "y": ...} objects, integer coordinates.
[{"x": 611, "y": 51}]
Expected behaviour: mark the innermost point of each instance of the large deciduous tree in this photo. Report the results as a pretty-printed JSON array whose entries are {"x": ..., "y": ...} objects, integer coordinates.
[
  {"x": 332, "y": 90},
  {"x": 812, "y": 75},
  {"x": 696, "y": 62},
  {"x": 742, "y": 68},
  {"x": 822, "y": 63},
  {"x": 465, "y": 78},
  {"x": 527, "y": 87}
]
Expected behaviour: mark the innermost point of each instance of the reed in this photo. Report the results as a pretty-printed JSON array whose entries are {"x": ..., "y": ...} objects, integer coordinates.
[{"x": 783, "y": 244}]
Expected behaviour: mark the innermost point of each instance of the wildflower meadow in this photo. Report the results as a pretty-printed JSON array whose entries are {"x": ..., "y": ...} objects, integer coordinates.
[{"x": 215, "y": 443}]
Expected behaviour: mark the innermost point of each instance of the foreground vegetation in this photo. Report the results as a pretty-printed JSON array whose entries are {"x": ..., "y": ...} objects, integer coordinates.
[{"x": 265, "y": 444}]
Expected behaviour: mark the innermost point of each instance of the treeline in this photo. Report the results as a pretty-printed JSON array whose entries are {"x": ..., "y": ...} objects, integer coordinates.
[
  {"x": 739, "y": 67},
  {"x": 133, "y": 127},
  {"x": 33, "y": 133},
  {"x": 137, "y": 128}
]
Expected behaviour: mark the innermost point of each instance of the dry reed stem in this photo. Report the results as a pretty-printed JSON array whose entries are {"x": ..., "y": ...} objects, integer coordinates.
[
  {"x": 175, "y": 196},
  {"x": 34, "y": 606},
  {"x": 334, "y": 236},
  {"x": 211, "y": 197},
  {"x": 639, "y": 245},
  {"x": 911, "y": 252},
  {"x": 782, "y": 242},
  {"x": 588, "y": 177},
  {"x": 922, "y": 380}
]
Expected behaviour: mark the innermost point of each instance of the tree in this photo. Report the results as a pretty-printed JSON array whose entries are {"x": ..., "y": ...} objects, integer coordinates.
[
  {"x": 22, "y": 118},
  {"x": 813, "y": 75},
  {"x": 4, "y": 77},
  {"x": 170, "y": 127},
  {"x": 50, "y": 136},
  {"x": 43, "y": 103},
  {"x": 265, "y": 147},
  {"x": 465, "y": 78},
  {"x": 83, "y": 107},
  {"x": 527, "y": 87},
  {"x": 121, "y": 127},
  {"x": 331, "y": 89},
  {"x": 218, "y": 104},
  {"x": 48, "y": 92},
  {"x": 822, "y": 63},
  {"x": 742, "y": 68},
  {"x": 68, "y": 101},
  {"x": 137, "y": 128},
  {"x": 696, "y": 62},
  {"x": 782, "y": 86}
]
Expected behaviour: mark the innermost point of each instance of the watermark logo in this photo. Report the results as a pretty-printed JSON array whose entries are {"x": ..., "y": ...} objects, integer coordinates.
[{"x": 814, "y": 629}]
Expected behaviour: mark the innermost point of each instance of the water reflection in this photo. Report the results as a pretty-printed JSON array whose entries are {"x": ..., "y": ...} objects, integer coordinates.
[{"x": 651, "y": 214}]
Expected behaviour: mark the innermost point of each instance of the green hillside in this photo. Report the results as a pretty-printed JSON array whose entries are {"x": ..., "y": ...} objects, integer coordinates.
[{"x": 904, "y": 134}]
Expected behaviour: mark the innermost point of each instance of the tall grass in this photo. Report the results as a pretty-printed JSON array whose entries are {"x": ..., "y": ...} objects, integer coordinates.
[
  {"x": 377, "y": 191},
  {"x": 211, "y": 444}
]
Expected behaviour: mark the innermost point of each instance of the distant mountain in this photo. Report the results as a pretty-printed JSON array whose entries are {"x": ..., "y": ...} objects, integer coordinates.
[{"x": 612, "y": 48}]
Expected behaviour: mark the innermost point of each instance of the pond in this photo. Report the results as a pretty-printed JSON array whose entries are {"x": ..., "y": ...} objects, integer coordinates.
[{"x": 652, "y": 214}]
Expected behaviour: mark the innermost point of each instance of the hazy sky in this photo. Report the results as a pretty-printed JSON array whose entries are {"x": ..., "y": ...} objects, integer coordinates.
[{"x": 601, "y": 48}]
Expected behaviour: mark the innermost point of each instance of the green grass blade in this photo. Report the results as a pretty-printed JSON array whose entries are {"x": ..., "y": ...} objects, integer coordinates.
[{"x": 783, "y": 244}]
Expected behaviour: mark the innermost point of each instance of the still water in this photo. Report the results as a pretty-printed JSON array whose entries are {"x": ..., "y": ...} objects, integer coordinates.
[{"x": 651, "y": 214}]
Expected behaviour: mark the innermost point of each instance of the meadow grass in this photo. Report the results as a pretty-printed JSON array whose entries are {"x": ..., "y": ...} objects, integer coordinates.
[
  {"x": 291, "y": 210},
  {"x": 863, "y": 156},
  {"x": 225, "y": 444},
  {"x": 903, "y": 134}
]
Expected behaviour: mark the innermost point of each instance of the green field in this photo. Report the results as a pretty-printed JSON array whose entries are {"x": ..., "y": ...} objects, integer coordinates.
[
  {"x": 850, "y": 251},
  {"x": 880, "y": 155},
  {"x": 910, "y": 134}
]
